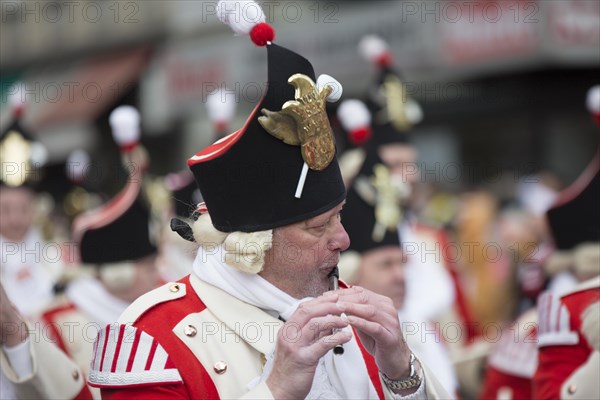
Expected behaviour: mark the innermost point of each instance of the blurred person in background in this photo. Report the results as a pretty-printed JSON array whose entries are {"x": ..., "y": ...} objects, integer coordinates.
[
  {"x": 535, "y": 195},
  {"x": 27, "y": 276},
  {"x": 513, "y": 361},
  {"x": 380, "y": 130},
  {"x": 375, "y": 261},
  {"x": 24, "y": 271},
  {"x": 489, "y": 275},
  {"x": 32, "y": 366},
  {"x": 429, "y": 268},
  {"x": 117, "y": 256},
  {"x": 568, "y": 333}
]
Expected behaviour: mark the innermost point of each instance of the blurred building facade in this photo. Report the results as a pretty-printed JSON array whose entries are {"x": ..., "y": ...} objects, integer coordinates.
[{"x": 502, "y": 83}]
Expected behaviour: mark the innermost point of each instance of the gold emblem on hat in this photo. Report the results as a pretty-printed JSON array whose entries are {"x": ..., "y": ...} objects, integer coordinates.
[
  {"x": 387, "y": 207},
  {"x": 303, "y": 122},
  {"x": 396, "y": 98},
  {"x": 384, "y": 195}
]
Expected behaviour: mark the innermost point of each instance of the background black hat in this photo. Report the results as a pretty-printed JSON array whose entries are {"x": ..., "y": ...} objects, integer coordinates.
[
  {"x": 394, "y": 112},
  {"x": 372, "y": 211},
  {"x": 120, "y": 230},
  {"x": 358, "y": 218},
  {"x": 249, "y": 179},
  {"x": 575, "y": 217},
  {"x": 364, "y": 202}
]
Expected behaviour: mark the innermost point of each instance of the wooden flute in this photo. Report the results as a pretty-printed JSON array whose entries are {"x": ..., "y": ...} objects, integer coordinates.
[{"x": 334, "y": 276}]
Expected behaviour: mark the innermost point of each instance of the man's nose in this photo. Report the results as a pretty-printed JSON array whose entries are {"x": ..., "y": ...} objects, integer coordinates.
[
  {"x": 340, "y": 240},
  {"x": 398, "y": 272}
]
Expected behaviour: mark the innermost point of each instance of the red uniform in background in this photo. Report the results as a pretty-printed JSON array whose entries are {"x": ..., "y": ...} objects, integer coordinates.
[
  {"x": 513, "y": 361},
  {"x": 562, "y": 346}
]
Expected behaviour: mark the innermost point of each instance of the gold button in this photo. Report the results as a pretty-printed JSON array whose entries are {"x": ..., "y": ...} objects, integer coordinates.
[
  {"x": 174, "y": 288},
  {"x": 75, "y": 374},
  {"x": 190, "y": 331},
  {"x": 220, "y": 367},
  {"x": 572, "y": 389}
]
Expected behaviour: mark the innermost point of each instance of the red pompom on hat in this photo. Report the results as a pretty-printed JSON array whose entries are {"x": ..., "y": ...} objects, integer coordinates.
[
  {"x": 355, "y": 117},
  {"x": 262, "y": 33},
  {"x": 360, "y": 136},
  {"x": 376, "y": 51}
]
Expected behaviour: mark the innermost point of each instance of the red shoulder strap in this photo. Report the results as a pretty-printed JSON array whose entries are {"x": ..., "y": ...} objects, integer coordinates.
[
  {"x": 371, "y": 368},
  {"x": 160, "y": 322}
]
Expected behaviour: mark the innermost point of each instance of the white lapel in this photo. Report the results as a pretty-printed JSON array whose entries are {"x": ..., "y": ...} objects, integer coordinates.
[
  {"x": 228, "y": 333},
  {"x": 252, "y": 324}
]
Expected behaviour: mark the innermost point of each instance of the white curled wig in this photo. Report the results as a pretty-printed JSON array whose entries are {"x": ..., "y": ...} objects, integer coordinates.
[
  {"x": 586, "y": 258},
  {"x": 117, "y": 276},
  {"x": 583, "y": 261},
  {"x": 245, "y": 251}
]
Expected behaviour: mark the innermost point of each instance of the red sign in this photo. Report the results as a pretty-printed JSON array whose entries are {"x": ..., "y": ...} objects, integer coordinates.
[{"x": 488, "y": 30}]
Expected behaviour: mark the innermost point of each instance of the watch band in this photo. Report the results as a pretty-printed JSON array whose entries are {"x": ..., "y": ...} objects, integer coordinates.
[{"x": 413, "y": 380}]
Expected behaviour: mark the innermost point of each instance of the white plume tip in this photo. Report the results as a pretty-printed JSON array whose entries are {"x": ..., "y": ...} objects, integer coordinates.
[
  {"x": 372, "y": 47},
  {"x": 337, "y": 89},
  {"x": 593, "y": 100},
  {"x": 240, "y": 15},
  {"x": 77, "y": 165},
  {"x": 125, "y": 124},
  {"x": 16, "y": 97},
  {"x": 354, "y": 114}
]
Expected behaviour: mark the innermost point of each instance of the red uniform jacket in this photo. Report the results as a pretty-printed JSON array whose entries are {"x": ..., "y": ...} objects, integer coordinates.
[
  {"x": 144, "y": 358},
  {"x": 562, "y": 347}
]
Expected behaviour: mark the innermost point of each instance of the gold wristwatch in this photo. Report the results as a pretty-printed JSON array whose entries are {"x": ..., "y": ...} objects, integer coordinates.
[{"x": 413, "y": 380}]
